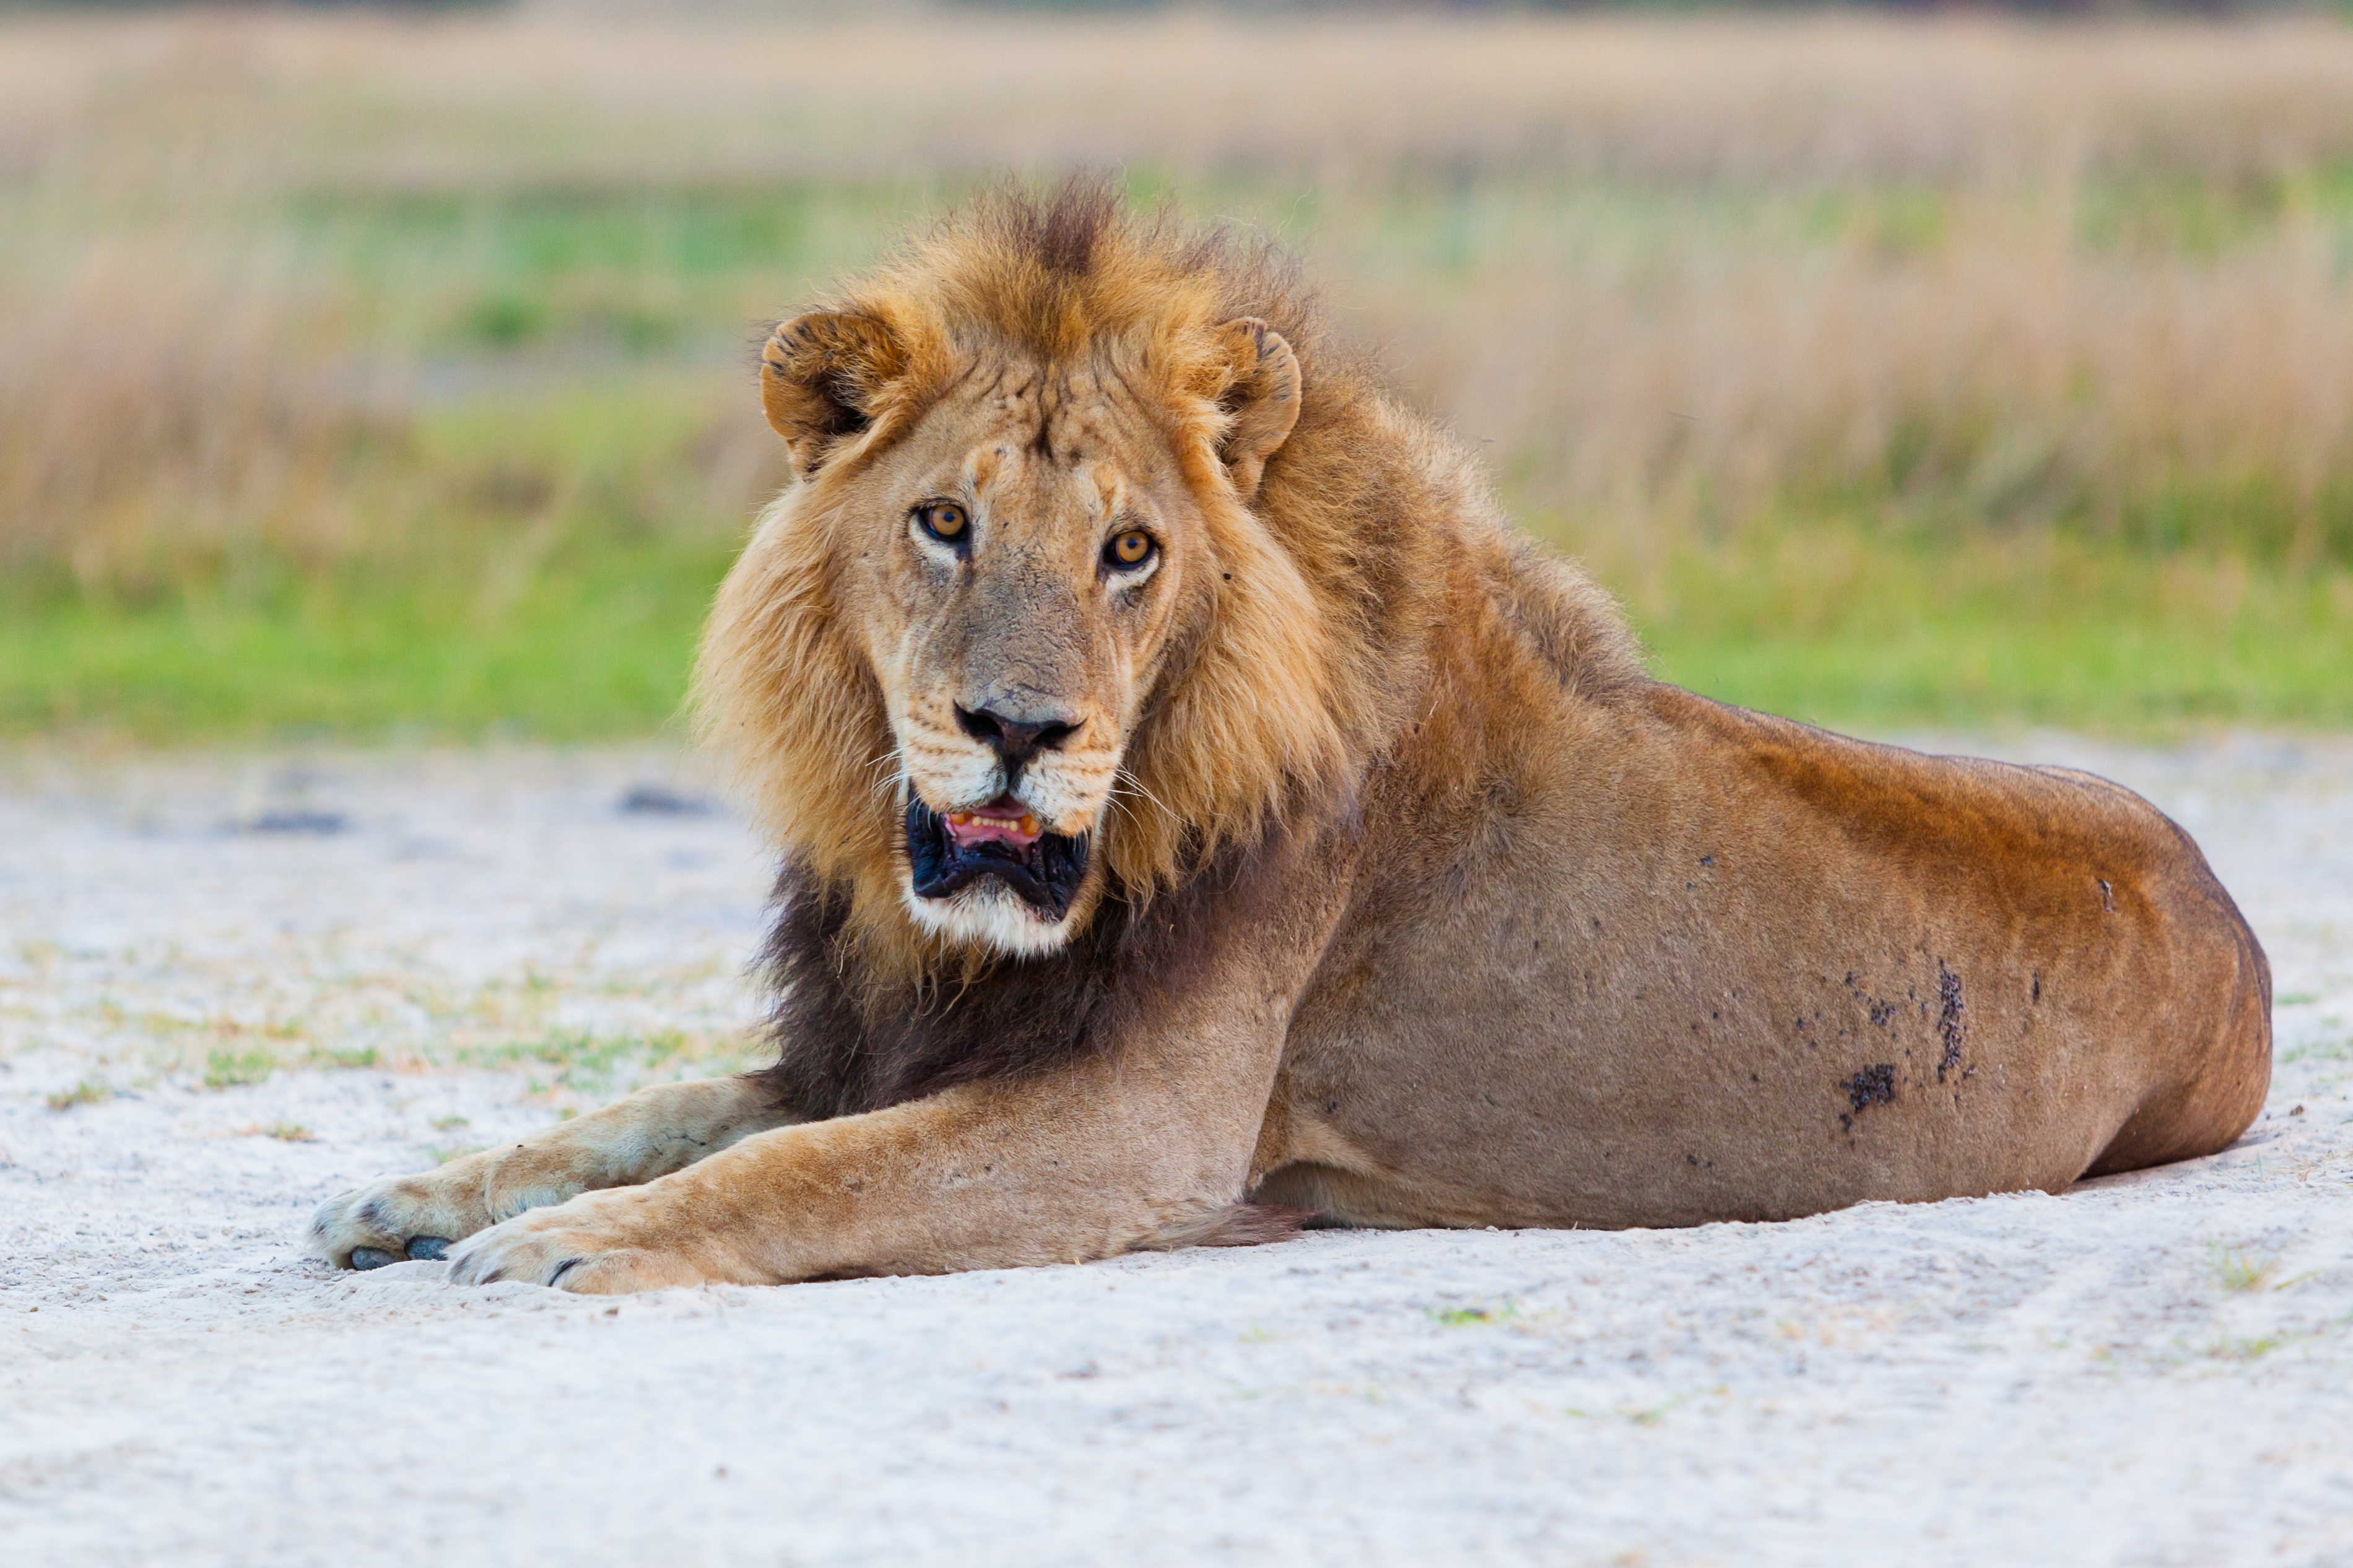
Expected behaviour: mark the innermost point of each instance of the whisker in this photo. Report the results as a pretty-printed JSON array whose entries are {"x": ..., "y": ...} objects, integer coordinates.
[{"x": 1139, "y": 788}]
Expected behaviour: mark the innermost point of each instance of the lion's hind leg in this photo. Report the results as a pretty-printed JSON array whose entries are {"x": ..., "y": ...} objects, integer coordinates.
[
  {"x": 651, "y": 1133},
  {"x": 2213, "y": 1081}
]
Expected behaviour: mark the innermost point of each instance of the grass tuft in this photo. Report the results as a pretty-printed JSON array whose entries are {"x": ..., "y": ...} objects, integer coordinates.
[
  {"x": 2240, "y": 1268},
  {"x": 231, "y": 1069},
  {"x": 89, "y": 1091},
  {"x": 1474, "y": 1317}
]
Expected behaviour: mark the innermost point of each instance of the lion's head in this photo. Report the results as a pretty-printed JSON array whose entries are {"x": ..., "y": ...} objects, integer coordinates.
[{"x": 1062, "y": 599}]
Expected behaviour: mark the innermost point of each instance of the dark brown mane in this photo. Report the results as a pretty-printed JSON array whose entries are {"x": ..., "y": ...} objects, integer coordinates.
[{"x": 849, "y": 1040}]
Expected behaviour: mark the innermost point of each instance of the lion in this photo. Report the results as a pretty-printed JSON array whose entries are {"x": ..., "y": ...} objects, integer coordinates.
[{"x": 1201, "y": 814}]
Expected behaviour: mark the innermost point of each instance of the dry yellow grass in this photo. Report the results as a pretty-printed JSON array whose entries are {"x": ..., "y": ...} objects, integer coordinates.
[{"x": 150, "y": 415}]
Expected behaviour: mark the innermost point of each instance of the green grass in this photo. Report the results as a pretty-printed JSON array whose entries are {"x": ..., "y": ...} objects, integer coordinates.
[
  {"x": 1824, "y": 624},
  {"x": 89, "y": 1091},
  {"x": 1811, "y": 621},
  {"x": 232, "y": 1070},
  {"x": 537, "y": 563},
  {"x": 597, "y": 646},
  {"x": 2236, "y": 1268}
]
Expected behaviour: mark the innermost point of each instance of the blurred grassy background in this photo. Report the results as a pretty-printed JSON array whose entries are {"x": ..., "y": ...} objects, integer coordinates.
[{"x": 390, "y": 375}]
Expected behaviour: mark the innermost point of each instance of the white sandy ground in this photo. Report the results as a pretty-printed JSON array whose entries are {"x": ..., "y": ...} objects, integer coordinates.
[{"x": 2148, "y": 1370}]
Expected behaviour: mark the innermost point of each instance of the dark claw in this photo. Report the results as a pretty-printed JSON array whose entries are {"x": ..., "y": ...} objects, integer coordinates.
[
  {"x": 430, "y": 1248},
  {"x": 566, "y": 1266},
  {"x": 371, "y": 1258}
]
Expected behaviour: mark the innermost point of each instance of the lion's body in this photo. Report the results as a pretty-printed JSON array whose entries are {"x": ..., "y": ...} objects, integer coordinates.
[
  {"x": 1645, "y": 960},
  {"x": 1408, "y": 898}
]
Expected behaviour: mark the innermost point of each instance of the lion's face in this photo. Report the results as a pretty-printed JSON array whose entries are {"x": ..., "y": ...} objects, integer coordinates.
[
  {"x": 1020, "y": 604},
  {"x": 1026, "y": 556}
]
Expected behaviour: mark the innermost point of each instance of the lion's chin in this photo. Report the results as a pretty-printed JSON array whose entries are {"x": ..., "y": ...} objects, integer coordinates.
[{"x": 988, "y": 914}]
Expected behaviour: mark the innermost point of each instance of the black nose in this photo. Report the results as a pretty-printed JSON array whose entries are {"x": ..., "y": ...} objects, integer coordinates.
[{"x": 1015, "y": 740}]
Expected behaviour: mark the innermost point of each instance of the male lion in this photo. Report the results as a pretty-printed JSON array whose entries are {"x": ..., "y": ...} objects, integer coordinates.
[{"x": 1200, "y": 812}]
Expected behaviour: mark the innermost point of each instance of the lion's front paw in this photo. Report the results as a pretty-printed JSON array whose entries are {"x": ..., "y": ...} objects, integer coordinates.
[
  {"x": 399, "y": 1217},
  {"x": 597, "y": 1245}
]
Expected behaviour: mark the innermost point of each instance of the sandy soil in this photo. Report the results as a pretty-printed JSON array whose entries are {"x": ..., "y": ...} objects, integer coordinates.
[{"x": 2148, "y": 1370}]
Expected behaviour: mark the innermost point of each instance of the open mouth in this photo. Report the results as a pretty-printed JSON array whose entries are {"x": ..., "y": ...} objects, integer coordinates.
[{"x": 1001, "y": 839}]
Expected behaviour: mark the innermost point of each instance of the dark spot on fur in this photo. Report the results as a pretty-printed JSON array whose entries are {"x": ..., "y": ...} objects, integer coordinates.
[
  {"x": 2037, "y": 993},
  {"x": 2107, "y": 896},
  {"x": 1875, "y": 1085},
  {"x": 1952, "y": 1026},
  {"x": 1881, "y": 1012}
]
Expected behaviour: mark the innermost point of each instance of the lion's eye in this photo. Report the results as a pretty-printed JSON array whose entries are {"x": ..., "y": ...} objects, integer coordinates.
[
  {"x": 1132, "y": 548},
  {"x": 943, "y": 520}
]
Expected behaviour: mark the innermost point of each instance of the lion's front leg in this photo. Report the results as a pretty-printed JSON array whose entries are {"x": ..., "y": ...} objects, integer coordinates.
[
  {"x": 1080, "y": 1164},
  {"x": 652, "y": 1133}
]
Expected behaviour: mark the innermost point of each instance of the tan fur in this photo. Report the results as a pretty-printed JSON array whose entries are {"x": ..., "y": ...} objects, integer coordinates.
[{"x": 1461, "y": 919}]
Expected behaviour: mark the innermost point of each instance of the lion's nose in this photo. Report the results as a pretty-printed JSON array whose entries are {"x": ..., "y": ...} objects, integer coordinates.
[{"x": 1016, "y": 741}]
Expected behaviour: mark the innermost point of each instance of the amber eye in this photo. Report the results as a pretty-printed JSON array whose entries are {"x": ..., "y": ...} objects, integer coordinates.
[
  {"x": 1130, "y": 549},
  {"x": 943, "y": 520}
]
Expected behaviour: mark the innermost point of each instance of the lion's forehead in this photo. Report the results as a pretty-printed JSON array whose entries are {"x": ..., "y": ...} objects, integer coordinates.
[
  {"x": 1027, "y": 423},
  {"x": 1096, "y": 488}
]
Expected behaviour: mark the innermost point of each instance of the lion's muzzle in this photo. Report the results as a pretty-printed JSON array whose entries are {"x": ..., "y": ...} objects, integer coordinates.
[{"x": 1043, "y": 869}]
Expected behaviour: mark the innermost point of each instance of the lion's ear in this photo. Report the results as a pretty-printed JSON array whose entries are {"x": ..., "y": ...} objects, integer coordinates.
[
  {"x": 819, "y": 378},
  {"x": 1262, "y": 399}
]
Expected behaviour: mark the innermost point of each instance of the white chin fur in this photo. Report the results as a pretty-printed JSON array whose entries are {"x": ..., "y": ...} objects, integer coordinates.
[{"x": 988, "y": 913}]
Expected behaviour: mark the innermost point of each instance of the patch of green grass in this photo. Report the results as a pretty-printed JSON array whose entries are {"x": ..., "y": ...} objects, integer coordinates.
[
  {"x": 630, "y": 265},
  {"x": 89, "y": 1091},
  {"x": 285, "y": 1132},
  {"x": 1474, "y": 1317},
  {"x": 588, "y": 1063},
  {"x": 1817, "y": 622},
  {"x": 1642, "y": 1415},
  {"x": 230, "y": 1069},
  {"x": 540, "y": 564},
  {"x": 2238, "y": 1268},
  {"x": 597, "y": 646},
  {"x": 2254, "y": 1347},
  {"x": 1833, "y": 624}
]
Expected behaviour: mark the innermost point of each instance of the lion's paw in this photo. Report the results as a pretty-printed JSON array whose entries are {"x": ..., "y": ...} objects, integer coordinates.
[
  {"x": 590, "y": 1244},
  {"x": 397, "y": 1218}
]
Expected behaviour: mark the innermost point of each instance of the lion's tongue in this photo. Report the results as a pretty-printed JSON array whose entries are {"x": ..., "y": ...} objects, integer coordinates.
[{"x": 1003, "y": 821}]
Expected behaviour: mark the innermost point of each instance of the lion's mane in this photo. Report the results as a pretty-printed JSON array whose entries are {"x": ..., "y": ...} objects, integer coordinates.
[{"x": 1316, "y": 646}]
